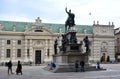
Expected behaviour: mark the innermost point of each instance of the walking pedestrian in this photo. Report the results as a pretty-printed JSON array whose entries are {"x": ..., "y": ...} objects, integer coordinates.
[
  {"x": 9, "y": 64},
  {"x": 19, "y": 68},
  {"x": 76, "y": 65},
  {"x": 82, "y": 63}
]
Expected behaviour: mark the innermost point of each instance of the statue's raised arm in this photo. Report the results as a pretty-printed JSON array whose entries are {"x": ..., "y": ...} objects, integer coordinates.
[
  {"x": 70, "y": 20},
  {"x": 66, "y": 10}
]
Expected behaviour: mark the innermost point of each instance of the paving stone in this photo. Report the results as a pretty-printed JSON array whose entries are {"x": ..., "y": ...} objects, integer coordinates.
[{"x": 37, "y": 72}]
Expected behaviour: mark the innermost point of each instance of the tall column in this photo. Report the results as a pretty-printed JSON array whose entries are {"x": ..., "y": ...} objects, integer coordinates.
[
  {"x": 3, "y": 50},
  {"x": 13, "y": 51},
  {"x": 31, "y": 50},
  {"x": 25, "y": 54},
  {"x": 46, "y": 45},
  {"x": 46, "y": 50},
  {"x": 51, "y": 49}
]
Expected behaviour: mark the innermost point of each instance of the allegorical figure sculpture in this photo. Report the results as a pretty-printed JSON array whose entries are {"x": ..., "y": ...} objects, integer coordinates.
[
  {"x": 64, "y": 42},
  {"x": 55, "y": 46},
  {"x": 73, "y": 38},
  {"x": 87, "y": 43},
  {"x": 70, "y": 20}
]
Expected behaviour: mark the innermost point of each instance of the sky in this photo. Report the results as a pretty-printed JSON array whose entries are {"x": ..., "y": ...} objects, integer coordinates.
[{"x": 53, "y": 11}]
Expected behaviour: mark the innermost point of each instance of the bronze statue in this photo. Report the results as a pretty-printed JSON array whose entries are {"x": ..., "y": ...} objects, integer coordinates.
[
  {"x": 55, "y": 46},
  {"x": 70, "y": 20},
  {"x": 87, "y": 43},
  {"x": 65, "y": 41}
]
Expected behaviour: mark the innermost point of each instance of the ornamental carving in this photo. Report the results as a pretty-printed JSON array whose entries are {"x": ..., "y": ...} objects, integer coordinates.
[
  {"x": 104, "y": 47},
  {"x": 38, "y": 43}
]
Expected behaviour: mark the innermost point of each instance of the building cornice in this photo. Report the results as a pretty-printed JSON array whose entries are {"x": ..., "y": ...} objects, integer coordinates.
[
  {"x": 104, "y": 36},
  {"x": 11, "y": 33}
]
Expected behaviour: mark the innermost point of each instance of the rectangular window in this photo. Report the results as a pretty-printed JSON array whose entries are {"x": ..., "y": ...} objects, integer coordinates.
[
  {"x": 8, "y": 41},
  {"x": 18, "y": 52},
  {"x": 19, "y": 42},
  {"x": 28, "y": 54},
  {"x": 8, "y": 53},
  {"x": 48, "y": 52}
]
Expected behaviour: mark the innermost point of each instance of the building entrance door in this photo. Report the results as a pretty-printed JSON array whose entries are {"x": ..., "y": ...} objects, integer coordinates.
[{"x": 38, "y": 57}]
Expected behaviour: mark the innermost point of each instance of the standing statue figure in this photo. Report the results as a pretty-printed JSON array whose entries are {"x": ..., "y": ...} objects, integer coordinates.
[
  {"x": 70, "y": 20},
  {"x": 87, "y": 43},
  {"x": 55, "y": 46},
  {"x": 64, "y": 42}
]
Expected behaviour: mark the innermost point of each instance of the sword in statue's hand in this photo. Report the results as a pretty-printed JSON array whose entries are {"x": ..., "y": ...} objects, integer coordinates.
[{"x": 66, "y": 6}]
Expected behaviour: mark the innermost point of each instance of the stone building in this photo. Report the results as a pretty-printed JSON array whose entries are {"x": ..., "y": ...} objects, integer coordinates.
[
  {"x": 34, "y": 41},
  {"x": 117, "y": 44}
]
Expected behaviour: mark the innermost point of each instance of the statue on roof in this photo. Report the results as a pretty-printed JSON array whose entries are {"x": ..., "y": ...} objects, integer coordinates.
[{"x": 70, "y": 20}]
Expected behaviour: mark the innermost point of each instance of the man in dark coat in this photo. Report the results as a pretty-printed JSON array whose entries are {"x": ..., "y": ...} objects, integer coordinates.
[
  {"x": 9, "y": 64},
  {"x": 82, "y": 63},
  {"x": 19, "y": 68},
  {"x": 76, "y": 65}
]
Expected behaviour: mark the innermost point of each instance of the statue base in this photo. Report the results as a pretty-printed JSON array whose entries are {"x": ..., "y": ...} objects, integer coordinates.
[
  {"x": 70, "y": 52},
  {"x": 65, "y": 61}
]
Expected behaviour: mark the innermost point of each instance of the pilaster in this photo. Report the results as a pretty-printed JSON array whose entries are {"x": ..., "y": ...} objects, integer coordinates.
[
  {"x": 3, "y": 50},
  {"x": 51, "y": 47},
  {"x": 25, "y": 54},
  {"x": 13, "y": 51},
  {"x": 46, "y": 46},
  {"x": 31, "y": 50}
]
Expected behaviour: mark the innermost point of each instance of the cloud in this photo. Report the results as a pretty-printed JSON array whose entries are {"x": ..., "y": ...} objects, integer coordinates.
[
  {"x": 15, "y": 17},
  {"x": 53, "y": 11}
]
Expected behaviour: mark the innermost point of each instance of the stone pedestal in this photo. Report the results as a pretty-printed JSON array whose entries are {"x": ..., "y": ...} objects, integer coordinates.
[
  {"x": 70, "y": 52},
  {"x": 65, "y": 61},
  {"x": 73, "y": 53}
]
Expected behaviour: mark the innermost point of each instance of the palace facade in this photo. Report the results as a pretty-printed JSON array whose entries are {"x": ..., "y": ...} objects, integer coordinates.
[
  {"x": 34, "y": 41},
  {"x": 117, "y": 44}
]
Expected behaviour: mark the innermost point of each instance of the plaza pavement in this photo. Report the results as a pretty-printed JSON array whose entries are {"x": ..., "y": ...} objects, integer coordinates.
[{"x": 37, "y": 72}]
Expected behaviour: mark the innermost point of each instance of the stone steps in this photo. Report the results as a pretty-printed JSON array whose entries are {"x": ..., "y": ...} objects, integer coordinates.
[{"x": 58, "y": 70}]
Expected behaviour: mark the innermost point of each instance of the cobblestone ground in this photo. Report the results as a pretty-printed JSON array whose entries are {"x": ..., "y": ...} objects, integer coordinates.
[{"x": 36, "y": 72}]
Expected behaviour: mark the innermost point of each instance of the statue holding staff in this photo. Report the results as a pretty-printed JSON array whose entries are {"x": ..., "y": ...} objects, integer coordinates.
[{"x": 70, "y": 20}]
